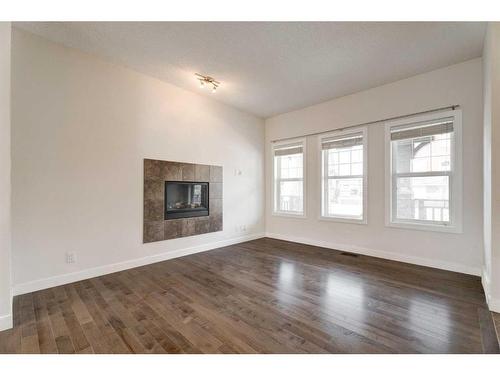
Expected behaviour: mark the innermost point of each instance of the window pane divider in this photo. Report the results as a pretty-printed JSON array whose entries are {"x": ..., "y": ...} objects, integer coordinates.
[
  {"x": 423, "y": 174},
  {"x": 289, "y": 179},
  {"x": 345, "y": 177}
]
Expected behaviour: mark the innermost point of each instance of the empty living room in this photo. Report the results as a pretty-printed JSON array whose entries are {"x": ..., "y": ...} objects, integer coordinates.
[{"x": 249, "y": 184}]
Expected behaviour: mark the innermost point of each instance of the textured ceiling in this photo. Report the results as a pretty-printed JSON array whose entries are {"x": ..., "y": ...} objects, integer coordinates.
[{"x": 267, "y": 68}]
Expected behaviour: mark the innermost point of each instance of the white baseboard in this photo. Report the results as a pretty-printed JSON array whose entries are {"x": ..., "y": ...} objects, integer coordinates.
[
  {"x": 455, "y": 267},
  {"x": 493, "y": 303},
  {"x": 5, "y": 322},
  {"x": 50, "y": 282},
  {"x": 485, "y": 281}
]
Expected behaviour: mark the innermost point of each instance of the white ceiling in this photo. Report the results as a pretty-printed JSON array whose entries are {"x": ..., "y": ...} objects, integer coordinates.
[{"x": 267, "y": 68}]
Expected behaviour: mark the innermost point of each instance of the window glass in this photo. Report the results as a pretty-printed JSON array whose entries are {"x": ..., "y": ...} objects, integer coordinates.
[
  {"x": 288, "y": 179},
  {"x": 343, "y": 176},
  {"x": 421, "y": 172}
]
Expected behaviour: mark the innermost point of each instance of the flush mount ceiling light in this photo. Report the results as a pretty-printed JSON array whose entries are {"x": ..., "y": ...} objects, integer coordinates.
[{"x": 207, "y": 81}]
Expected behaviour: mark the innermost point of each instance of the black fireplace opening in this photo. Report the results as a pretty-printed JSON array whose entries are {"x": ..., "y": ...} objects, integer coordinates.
[{"x": 186, "y": 199}]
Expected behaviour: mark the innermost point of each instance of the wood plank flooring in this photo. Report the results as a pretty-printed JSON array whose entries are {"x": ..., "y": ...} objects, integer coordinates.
[
  {"x": 496, "y": 321},
  {"x": 262, "y": 296}
]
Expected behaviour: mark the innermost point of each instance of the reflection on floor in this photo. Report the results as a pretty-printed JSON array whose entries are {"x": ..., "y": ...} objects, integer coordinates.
[{"x": 262, "y": 296}]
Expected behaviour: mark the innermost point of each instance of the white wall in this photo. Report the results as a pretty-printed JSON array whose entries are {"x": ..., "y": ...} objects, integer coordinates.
[
  {"x": 81, "y": 128},
  {"x": 5, "y": 242},
  {"x": 458, "y": 84},
  {"x": 491, "y": 79}
]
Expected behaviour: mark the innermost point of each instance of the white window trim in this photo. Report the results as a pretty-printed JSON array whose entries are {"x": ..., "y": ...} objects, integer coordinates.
[
  {"x": 456, "y": 195},
  {"x": 345, "y": 219},
  {"x": 274, "y": 145}
]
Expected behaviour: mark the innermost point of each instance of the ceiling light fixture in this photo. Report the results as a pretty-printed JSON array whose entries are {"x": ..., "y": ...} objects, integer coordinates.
[{"x": 207, "y": 80}]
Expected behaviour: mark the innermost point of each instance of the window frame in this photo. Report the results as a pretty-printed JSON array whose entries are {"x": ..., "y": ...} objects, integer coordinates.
[
  {"x": 321, "y": 167},
  {"x": 455, "y": 176},
  {"x": 281, "y": 144}
]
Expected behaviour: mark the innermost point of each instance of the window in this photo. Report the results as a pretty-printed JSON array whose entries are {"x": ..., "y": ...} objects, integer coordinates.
[
  {"x": 288, "y": 183},
  {"x": 343, "y": 182},
  {"x": 424, "y": 157}
]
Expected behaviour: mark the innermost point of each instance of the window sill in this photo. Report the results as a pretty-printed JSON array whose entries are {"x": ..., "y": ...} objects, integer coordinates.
[
  {"x": 343, "y": 220},
  {"x": 284, "y": 214},
  {"x": 425, "y": 227}
]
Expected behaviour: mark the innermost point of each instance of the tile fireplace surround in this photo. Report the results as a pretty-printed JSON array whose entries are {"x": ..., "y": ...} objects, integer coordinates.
[{"x": 156, "y": 173}]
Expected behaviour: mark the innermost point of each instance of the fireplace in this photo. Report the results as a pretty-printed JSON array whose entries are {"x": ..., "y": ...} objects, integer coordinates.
[{"x": 186, "y": 199}]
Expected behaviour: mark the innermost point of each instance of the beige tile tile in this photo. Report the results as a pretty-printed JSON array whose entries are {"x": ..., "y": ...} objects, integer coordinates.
[
  {"x": 215, "y": 190},
  {"x": 202, "y": 173},
  {"x": 215, "y": 223},
  {"x": 153, "y": 210},
  {"x": 171, "y": 171},
  {"x": 188, "y": 227},
  {"x": 154, "y": 190},
  {"x": 152, "y": 169},
  {"x": 215, "y": 173},
  {"x": 153, "y": 231},
  {"x": 202, "y": 225},
  {"x": 215, "y": 206},
  {"x": 187, "y": 172},
  {"x": 173, "y": 228}
]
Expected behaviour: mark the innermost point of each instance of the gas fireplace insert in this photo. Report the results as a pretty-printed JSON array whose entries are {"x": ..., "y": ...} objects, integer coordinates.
[{"x": 186, "y": 199}]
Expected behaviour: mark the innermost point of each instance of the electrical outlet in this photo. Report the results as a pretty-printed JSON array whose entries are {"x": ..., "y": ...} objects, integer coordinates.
[
  {"x": 243, "y": 228},
  {"x": 70, "y": 257}
]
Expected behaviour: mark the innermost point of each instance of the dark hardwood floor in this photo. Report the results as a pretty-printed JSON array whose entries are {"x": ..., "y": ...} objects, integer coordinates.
[
  {"x": 496, "y": 321},
  {"x": 262, "y": 296}
]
